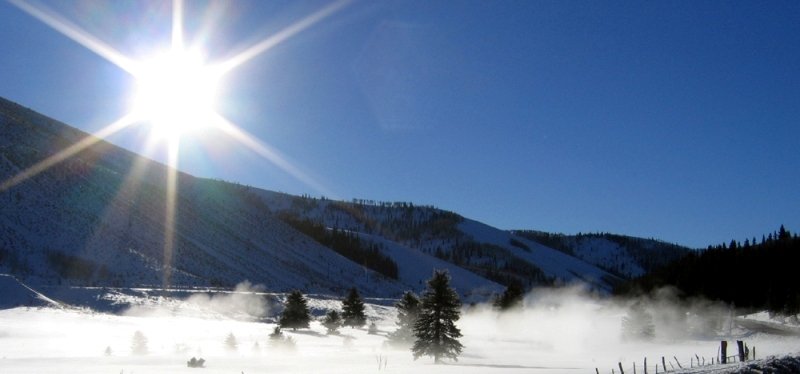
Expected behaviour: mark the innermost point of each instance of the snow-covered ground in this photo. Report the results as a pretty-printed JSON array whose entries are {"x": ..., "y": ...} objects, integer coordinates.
[{"x": 556, "y": 332}]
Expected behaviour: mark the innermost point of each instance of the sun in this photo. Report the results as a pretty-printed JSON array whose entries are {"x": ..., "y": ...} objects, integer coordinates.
[{"x": 176, "y": 93}]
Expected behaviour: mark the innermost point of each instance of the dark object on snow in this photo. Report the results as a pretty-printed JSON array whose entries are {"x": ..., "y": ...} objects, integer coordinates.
[
  {"x": 295, "y": 312},
  {"x": 195, "y": 363},
  {"x": 435, "y": 328},
  {"x": 723, "y": 352},
  {"x": 740, "y": 344},
  {"x": 353, "y": 310},
  {"x": 774, "y": 365},
  {"x": 332, "y": 322},
  {"x": 407, "y": 312},
  {"x": 511, "y": 297}
]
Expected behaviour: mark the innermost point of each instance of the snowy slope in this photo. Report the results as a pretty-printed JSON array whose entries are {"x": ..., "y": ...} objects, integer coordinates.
[
  {"x": 99, "y": 218},
  {"x": 452, "y": 239},
  {"x": 416, "y": 267},
  {"x": 624, "y": 256},
  {"x": 603, "y": 251},
  {"x": 552, "y": 262},
  {"x": 15, "y": 294}
]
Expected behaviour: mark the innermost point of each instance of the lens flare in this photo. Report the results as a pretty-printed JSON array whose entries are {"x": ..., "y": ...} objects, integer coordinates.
[{"x": 176, "y": 95}]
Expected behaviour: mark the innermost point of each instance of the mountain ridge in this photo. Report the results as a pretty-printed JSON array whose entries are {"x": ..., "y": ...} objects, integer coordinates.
[{"x": 97, "y": 218}]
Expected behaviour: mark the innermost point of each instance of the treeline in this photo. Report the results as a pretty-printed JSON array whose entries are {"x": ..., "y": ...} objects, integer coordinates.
[
  {"x": 401, "y": 221},
  {"x": 494, "y": 263},
  {"x": 748, "y": 275},
  {"x": 346, "y": 244},
  {"x": 73, "y": 267},
  {"x": 649, "y": 254},
  {"x": 555, "y": 241}
]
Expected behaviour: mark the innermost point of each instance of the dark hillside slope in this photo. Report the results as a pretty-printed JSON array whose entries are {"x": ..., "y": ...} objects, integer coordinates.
[
  {"x": 98, "y": 218},
  {"x": 761, "y": 276}
]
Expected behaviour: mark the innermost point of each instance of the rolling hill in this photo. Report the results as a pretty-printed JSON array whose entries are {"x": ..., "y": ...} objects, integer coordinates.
[{"x": 98, "y": 218}]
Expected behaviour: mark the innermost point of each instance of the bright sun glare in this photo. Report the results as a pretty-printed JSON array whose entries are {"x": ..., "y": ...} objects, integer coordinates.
[{"x": 176, "y": 93}]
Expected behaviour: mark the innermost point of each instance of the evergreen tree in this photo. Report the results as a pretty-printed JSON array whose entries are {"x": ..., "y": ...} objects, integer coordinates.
[
  {"x": 407, "y": 312},
  {"x": 783, "y": 234},
  {"x": 353, "y": 310},
  {"x": 332, "y": 322},
  {"x": 276, "y": 334},
  {"x": 637, "y": 324},
  {"x": 295, "y": 313},
  {"x": 230, "y": 342},
  {"x": 139, "y": 343},
  {"x": 435, "y": 329},
  {"x": 511, "y": 297}
]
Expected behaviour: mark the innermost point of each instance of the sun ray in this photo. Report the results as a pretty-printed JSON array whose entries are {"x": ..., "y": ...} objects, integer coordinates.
[
  {"x": 68, "y": 152},
  {"x": 281, "y": 36},
  {"x": 75, "y": 33},
  {"x": 177, "y": 24},
  {"x": 267, "y": 152},
  {"x": 170, "y": 208}
]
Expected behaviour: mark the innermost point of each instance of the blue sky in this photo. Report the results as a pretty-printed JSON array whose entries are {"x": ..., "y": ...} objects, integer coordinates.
[{"x": 678, "y": 120}]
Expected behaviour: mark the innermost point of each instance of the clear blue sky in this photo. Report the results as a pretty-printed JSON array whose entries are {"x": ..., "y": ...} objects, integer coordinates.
[{"x": 678, "y": 120}]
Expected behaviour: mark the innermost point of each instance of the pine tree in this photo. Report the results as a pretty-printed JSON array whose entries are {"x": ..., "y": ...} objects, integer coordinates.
[
  {"x": 230, "y": 342},
  {"x": 295, "y": 313},
  {"x": 139, "y": 343},
  {"x": 353, "y": 310},
  {"x": 511, "y": 297},
  {"x": 407, "y": 313},
  {"x": 332, "y": 322},
  {"x": 784, "y": 234},
  {"x": 276, "y": 334},
  {"x": 638, "y": 324},
  {"x": 435, "y": 329}
]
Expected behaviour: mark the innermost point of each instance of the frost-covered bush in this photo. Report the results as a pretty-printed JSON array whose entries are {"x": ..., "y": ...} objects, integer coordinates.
[
  {"x": 230, "y": 342},
  {"x": 638, "y": 324},
  {"x": 139, "y": 343}
]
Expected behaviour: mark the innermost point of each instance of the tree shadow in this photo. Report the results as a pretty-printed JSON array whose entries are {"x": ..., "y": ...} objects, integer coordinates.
[
  {"x": 502, "y": 366},
  {"x": 308, "y": 332}
]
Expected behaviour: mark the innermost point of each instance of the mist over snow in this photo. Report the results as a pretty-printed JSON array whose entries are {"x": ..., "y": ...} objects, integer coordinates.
[
  {"x": 246, "y": 302},
  {"x": 568, "y": 330}
]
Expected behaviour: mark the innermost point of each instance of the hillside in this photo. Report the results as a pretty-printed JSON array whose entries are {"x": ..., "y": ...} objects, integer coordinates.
[
  {"x": 751, "y": 276},
  {"x": 17, "y": 294},
  {"x": 624, "y": 256},
  {"x": 98, "y": 218}
]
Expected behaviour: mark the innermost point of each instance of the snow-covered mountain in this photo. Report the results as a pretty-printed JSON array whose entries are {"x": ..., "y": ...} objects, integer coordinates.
[
  {"x": 98, "y": 218},
  {"x": 624, "y": 256}
]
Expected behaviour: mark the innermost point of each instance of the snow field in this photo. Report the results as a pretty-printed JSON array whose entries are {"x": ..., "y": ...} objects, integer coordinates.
[{"x": 561, "y": 332}]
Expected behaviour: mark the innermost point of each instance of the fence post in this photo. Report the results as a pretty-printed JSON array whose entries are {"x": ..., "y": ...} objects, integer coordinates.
[
  {"x": 620, "y": 368},
  {"x": 597, "y": 371},
  {"x": 664, "y": 364},
  {"x": 634, "y": 367},
  {"x": 645, "y": 365},
  {"x": 678, "y": 362},
  {"x": 723, "y": 348},
  {"x": 740, "y": 345}
]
